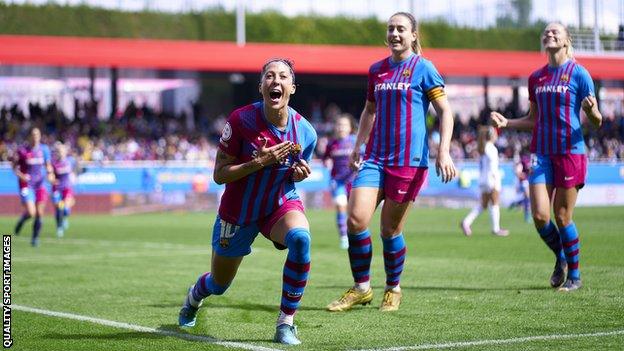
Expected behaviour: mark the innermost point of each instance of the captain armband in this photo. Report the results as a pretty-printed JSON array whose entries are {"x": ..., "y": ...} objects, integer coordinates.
[{"x": 435, "y": 93}]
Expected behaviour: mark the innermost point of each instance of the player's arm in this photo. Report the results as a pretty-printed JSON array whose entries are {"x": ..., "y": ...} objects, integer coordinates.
[
  {"x": 227, "y": 170},
  {"x": 444, "y": 164},
  {"x": 523, "y": 123},
  {"x": 16, "y": 169},
  {"x": 590, "y": 107},
  {"x": 367, "y": 120}
]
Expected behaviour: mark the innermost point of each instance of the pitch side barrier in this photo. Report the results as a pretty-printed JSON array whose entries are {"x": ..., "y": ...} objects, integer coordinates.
[{"x": 605, "y": 181}]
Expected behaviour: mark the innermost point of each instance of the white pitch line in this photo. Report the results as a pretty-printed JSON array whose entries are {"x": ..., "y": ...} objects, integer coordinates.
[
  {"x": 450, "y": 345},
  {"x": 132, "y": 254},
  {"x": 108, "y": 323}
]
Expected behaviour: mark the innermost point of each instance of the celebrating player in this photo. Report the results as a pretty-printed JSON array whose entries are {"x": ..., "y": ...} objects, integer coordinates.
[
  {"x": 31, "y": 166},
  {"x": 394, "y": 166},
  {"x": 62, "y": 194},
  {"x": 557, "y": 92},
  {"x": 337, "y": 159},
  {"x": 264, "y": 149},
  {"x": 489, "y": 183}
]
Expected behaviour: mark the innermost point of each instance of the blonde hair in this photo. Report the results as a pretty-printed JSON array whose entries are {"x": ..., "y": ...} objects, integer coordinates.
[
  {"x": 416, "y": 44},
  {"x": 485, "y": 134}
]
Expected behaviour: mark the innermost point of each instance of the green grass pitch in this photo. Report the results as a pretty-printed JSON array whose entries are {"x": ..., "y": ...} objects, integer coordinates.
[{"x": 136, "y": 269}]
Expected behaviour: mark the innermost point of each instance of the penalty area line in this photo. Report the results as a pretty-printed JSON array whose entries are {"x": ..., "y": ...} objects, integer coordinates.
[
  {"x": 450, "y": 345},
  {"x": 142, "y": 329}
]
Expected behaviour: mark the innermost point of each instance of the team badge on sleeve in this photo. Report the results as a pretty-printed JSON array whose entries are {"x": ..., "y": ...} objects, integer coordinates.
[{"x": 226, "y": 134}]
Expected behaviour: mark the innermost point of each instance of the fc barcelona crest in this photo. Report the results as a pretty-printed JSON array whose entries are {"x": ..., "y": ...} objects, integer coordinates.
[
  {"x": 406, "y": 72},
  {"x": 565, "y": 78}
]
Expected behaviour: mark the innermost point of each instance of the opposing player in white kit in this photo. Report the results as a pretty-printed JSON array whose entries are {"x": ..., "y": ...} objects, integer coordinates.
[{"x": 489, "y": 183}]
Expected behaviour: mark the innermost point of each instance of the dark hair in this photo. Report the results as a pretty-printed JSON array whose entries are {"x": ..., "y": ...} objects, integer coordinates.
[
  {"x": 416, "y": 44},
  {"x": 285, "y": 61}
]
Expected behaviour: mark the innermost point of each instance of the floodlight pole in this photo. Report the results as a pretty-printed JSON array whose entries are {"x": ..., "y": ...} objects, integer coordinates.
[
  {"x": 240, "y": 22},
  {"x": 596, "y": 29}
]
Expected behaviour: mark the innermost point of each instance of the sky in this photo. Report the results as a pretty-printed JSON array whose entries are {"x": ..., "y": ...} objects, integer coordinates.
[{"x": 473, "y": 13}]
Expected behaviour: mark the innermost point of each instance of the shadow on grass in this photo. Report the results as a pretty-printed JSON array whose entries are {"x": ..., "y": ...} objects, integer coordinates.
[
  {"x": 240, "y": 306},
  {"x": 446, "y": 288},
  {"x": 164, "y": 331}
]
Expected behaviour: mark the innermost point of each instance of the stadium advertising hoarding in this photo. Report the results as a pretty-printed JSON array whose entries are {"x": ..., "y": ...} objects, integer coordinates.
[{"x": 605, "y": 181}]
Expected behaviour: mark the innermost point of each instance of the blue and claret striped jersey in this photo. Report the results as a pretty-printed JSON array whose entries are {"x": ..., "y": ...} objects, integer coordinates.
[
  {"x": 401, "y": 92},
  {"x": 339, "y": 151},
  {"x": 558, "y": 93},
  {"x": 32, "y": 161},
  {"x": 259, "y": 194}
]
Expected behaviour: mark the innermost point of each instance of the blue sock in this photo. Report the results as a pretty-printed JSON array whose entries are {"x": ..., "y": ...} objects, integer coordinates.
[
  {"x": 551, "y": 237},
  {"x": 36, "y": 227},
  {"x": 394, "y": 252},
  {"x": 66, "y": 211},
  {"x": 341, "y": 222},
  {"x": 360, "y": 255},
  {"x": 204, "y": 287},
  {"x": 296, "y": 269},
  {"x": 59, "y": 217},
  {"x": 572, "y": 247},
  {"x": 20, "y": 222}
]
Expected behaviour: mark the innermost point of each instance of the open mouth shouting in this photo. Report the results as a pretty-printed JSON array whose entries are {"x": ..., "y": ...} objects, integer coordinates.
[{"x": 275, "y": 95}]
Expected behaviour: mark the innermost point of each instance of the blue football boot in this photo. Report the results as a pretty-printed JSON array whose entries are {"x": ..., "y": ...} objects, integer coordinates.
[{"x": 286, "y": 334}]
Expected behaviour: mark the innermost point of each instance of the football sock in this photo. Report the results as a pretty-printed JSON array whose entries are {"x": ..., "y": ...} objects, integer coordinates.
[
  {"x": 20, "y": 222},
  {"x": 341, "y": 222},
  {"x": 296, "y": 269},
  {"x": 571, "y": 246},
  {"x": 360, "y": 255},
  {"x": 474, "y": 213},
  {"x": 394, "y": 252},
  {"x": 495, "y": 217},
  {"x": 551, "y": 237}
]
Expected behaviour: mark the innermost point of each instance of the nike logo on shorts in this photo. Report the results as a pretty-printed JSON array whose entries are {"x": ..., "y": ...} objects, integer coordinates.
[{"x": 568, "y": 178}]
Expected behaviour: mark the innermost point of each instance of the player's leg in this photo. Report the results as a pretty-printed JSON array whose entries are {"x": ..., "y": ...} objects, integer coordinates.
[
  {"x": 59, "y": 206},
  {"x": 401, "y": 188},
  {"x": 541, "y": 193},
  {"x": 339, "y": 194},
  {"x": 230, "y": 243},
  {"x": 568, "y": 179},
  {"x": 365, "y": 196},
  {"x": 293, "y": 231},
  {"x": 38, "y": 221},
  {"x": 28, "y": 203},
  {"x": 474, "y": 213},
  {"x": 494, "y": 209},
  {"x": 68, "y": 201}
]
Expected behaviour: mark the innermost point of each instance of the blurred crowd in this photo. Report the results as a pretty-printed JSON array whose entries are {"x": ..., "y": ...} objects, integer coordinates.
[{"x": 141, "y": 133}]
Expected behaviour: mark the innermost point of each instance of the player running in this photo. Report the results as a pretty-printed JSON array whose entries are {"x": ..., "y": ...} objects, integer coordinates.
[
  {"x": 336, "y": 158},
  {"x": 31, "y": 166},
  {"x": 489, "y": 183},
  {"x": 264, "y": 149}
]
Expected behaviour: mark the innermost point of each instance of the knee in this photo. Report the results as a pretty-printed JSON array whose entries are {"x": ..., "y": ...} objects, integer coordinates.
[
  {"x": 356, "y": 224},
  {"x": 540, "y": 218},
  {"x": 563, "y": 217},
  {"x": 298, "y": 239},
  {"x": 388, "y": 231}
]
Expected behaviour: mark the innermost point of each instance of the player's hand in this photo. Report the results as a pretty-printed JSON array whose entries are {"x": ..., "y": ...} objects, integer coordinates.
[
  {"x": 355, "y": 159},
  {"x": 276, "y": 153},
  {"x": 24, "y": 177},
  {"x": 445, "y": 169},
  {"x": 301, "y": 170},
  {"x": 499, "y": 120},
  {"x": 590, "y": 107}
]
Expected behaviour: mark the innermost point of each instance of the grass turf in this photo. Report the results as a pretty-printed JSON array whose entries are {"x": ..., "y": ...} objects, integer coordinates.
[{"x": 136, "y": 269}]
